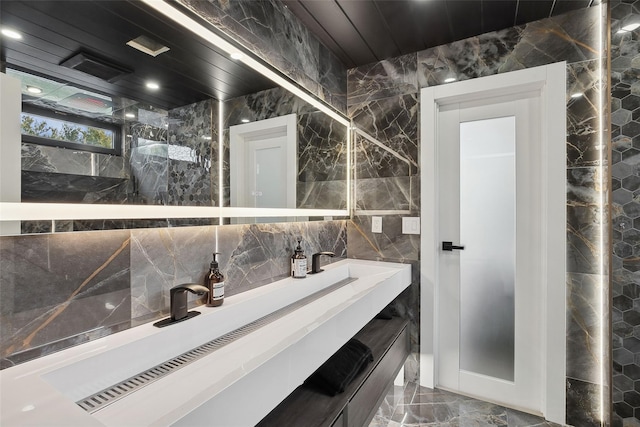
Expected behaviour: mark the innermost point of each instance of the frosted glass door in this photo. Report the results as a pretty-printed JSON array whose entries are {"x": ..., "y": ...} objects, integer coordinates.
[
  {"x": 489, "y": 290},
  {"x": 487, "y": 264}
]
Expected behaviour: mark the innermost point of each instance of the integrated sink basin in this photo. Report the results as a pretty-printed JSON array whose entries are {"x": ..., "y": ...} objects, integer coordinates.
[{"x": 236, "y": 383}]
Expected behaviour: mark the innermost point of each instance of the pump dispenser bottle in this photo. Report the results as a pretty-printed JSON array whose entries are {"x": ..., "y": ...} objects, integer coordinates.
[
  {"x": 298, "y": 263},
  {"x": 215, "y": 283}
]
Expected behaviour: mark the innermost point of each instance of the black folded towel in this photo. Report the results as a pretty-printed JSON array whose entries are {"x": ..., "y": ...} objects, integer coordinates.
[{"x": 336, "y": 373}]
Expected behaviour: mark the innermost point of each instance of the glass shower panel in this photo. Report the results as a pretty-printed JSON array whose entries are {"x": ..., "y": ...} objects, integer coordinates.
[{"x": 487, "y": 231}]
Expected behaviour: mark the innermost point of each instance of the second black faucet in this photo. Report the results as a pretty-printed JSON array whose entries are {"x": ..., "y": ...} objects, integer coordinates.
[{"x": 315, "y": 261}]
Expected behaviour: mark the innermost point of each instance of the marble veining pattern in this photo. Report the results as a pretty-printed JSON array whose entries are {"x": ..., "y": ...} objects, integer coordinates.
[
  {"x": 384, "y": 79},
  {"x": 414, "y": 405},
  {"x": 192, "y": 155},
  {"x": 569, "y": 37},
  {"x": 393, "y": 121},
  {"x": 271, "y": 31},
  {"x": 250, "y": 255},
  {"x": 582, "y": 114},
  {"x": 61, "y": 285},
  {"x": 42, "y": 158},
  {"x": 378, "y": 97},
  {"x": 583, "y": 327},
  {"x": 60, "y": 290},
  {"x": 583, "y": 220}
]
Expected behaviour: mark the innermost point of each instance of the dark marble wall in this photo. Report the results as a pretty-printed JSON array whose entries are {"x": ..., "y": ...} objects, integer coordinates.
[
  {"x": 193, "y": 155},
  {"x": 60, "y": 290},
  {"x": 383, "y": 102},
  {"x": 270, "y": 30},
  {"x": 625, "y": 171}
]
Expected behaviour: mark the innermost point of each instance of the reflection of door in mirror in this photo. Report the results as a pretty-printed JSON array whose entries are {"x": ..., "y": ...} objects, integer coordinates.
[
  {"x": 263, "y": 163},
  {"x": 266, "y": 172}
]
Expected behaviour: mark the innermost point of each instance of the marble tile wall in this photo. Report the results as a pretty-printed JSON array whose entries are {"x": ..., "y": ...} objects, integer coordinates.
[
  {"x": 270, "y": 30},
  {"x": 123, "y": 274},
  {"x": 382, "y": 99},
  {"x": 625, "y": 172},
  {"x": 192, "y": 155},
  {"x": 60, "y": 290}
]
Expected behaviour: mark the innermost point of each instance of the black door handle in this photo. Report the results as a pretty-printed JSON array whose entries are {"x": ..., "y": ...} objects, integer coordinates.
[{"x": 448, "y": 246}]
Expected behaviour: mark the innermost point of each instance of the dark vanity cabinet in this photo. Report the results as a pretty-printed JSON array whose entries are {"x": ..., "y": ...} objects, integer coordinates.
[{"x": 357, "y": 405}]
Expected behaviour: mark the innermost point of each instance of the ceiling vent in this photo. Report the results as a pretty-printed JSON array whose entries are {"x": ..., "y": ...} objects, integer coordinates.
[
  {"x": 148, "y": 46},
  {"x": 96, "y": 67}
]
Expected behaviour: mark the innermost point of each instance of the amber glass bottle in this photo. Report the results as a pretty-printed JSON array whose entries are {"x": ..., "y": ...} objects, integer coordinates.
[{"x": 215, "y": 284}]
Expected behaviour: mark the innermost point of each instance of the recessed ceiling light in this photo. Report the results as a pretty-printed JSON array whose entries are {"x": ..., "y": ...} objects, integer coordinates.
[
  {"x": 245, "y": 120},
  {"x": 576, "y": 94},
  {"x": 450, "y": 79},
  {"x": 34, "y": 90},
  {"x": 153, "y": 85},
  {"x": 130, "y": 115},
  {"x": 12, "y": 34},
  {"x": 208, "y": 138},
  {"x": 236, "y": 55}
]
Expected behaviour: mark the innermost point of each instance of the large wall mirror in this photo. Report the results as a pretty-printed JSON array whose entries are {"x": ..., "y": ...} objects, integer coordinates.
[{"x": 123, "y": 105}]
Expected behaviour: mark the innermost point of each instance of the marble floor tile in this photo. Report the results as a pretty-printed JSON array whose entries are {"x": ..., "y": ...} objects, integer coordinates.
[{"x": 413, "y": 405}]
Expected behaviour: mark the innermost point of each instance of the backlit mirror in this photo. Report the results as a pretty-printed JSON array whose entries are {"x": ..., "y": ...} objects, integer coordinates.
[{"x": 122, "y": 105}]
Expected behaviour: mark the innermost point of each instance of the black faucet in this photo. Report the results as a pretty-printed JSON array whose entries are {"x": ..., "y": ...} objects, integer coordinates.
[
  {"x": 178, "y": 301},
  {"x": 315, "y": 261}
]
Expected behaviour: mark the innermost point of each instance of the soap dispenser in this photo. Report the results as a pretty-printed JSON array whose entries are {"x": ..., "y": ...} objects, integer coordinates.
[
  {"x": 215, "y": 283},
  {"x": 298, "y": 263}
]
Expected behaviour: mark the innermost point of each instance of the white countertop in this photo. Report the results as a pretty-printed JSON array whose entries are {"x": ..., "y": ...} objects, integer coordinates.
[{"x": 237, "y": 385}]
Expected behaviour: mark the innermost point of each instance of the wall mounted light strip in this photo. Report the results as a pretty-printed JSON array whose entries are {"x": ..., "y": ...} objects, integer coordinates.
[
  {"x": 601, "y": 218},
  {"x": 220, "y": 155},
  {"x": 60, "y": 211},
  {"x": 208, "y": 35}
]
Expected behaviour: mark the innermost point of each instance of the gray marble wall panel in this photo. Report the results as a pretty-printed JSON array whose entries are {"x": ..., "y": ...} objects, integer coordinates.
[
  {"x": 271, "y": 31},
  {"x": 163, "y": 258},
  {"x": 149, "y": 163},
  {"x": 192, "y": 155},
  {"x": 583, "y": 220},
  {"x": 42, "y": 158},
  {"x": 378, "y": 95},
  {"x": 60, "y": 290},
  {"x": 571, "y": 37},
  {"x": 394, "y": 122},
  {"x": 384, "y": 79},
  {"x": 61, "y": 286},
  {"x": 250, "y": 256},
  {"x": 625, "y": 172},
  {"x": 322, "y": 149},
  {"x": 583, "y": 115},
  {"x": 388, "y": 193}
]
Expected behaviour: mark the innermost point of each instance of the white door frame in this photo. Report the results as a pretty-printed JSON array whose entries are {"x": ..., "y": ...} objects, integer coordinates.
[
  {"x": 550, "y": 82},
  {"x": 277, "y": 126}
]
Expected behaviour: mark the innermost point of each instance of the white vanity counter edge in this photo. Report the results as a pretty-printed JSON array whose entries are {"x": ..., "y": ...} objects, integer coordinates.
[{"x": 236, "y": 385}]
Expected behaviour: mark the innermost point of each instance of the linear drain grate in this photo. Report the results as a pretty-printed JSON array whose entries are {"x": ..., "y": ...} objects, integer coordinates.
[{"x": 110, "y": 395}]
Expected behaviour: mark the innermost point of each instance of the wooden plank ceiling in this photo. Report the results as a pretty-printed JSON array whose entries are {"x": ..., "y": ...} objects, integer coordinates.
[{"x": 364, "y": 31}]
